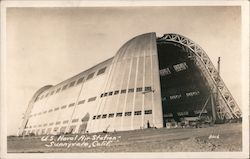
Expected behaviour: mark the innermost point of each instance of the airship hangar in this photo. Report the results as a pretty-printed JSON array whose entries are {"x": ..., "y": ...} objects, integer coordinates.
[{"x": 150, "y": 82}]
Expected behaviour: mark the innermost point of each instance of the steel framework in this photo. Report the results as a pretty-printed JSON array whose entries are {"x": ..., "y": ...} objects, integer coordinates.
[{"x": 226, "y": 106}]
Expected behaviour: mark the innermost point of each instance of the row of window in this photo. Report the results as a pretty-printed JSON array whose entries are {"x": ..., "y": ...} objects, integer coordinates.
[
  {"x": 55, "y": 129},
  {"x": 185, "y": 113},
  {"x": 178, "y": 67},
  {"x": 71, "y": 84},
  {"x": 111, "y": 115},
  {"x": 120, "y": 114},
  {"x": 52, "y": 123},
  {"x": 64, "y": 106},
  {"x": 130, "y": 90},
  {"x": 178, "y": 96}
]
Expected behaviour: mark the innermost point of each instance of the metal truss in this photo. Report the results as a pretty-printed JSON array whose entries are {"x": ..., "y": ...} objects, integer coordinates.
[{"x": 226, "y": 106}]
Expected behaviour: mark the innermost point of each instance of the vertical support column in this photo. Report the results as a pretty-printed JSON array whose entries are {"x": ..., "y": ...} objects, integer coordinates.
[
  {"x": 143, "y": 87},
  {"x": 213, "y": 107},
  {"x": 75, "y": 107},
  {"x": 126, "y": 95},
  {"x": 135, "y": 86},
  {"x": 216, "y": 84}
]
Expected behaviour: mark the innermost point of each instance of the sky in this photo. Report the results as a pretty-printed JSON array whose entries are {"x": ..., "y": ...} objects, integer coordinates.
[{"x": 48, "y": 45}]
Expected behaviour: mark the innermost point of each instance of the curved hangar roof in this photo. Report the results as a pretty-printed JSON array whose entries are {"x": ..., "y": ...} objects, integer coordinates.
[{"x": 141, "y": 45}]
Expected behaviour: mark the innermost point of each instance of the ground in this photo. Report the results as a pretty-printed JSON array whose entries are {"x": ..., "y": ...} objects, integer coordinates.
[{"x": 221, "y": 137}]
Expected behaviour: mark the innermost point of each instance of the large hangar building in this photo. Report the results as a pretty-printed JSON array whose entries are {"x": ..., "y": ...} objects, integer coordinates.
[{"x": 150, "y": 81}]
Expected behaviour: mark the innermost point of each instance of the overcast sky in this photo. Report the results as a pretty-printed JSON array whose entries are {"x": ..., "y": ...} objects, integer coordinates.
[{"x": 48, "y": 45}]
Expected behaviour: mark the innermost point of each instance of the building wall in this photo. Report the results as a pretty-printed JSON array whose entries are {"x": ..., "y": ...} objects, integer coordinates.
[
  {"x": 67, "y": 103},
  {"x": 134, "y": 69},
  {"x": 126, "y": 96}
]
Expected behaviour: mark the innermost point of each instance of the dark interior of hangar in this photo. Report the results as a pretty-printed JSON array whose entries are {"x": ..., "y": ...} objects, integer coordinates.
[{"x": 184, "y": 89}]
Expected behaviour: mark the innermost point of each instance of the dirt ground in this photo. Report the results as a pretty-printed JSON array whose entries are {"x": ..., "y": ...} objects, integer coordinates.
[{"x": 224, "y": 137}]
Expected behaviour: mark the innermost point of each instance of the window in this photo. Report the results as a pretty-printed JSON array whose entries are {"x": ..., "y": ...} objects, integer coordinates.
[
  {"x": 39, "y": 113},
  {"x": 165, "y": 71},
  {"x": 182, "y": 113},
  {"x": 98, "y": 116},
  {"x": 91, "y": 99},
  {"x": 101, "y": 95},
  {"x": 44, "y": 112},
  {"x": 75, "y": 120},
  {"x": 90, "y": 76},
  {"x": 65, "y": 121},
  {"x": 47, "y": 95},
  {"x": 72, "y": 104},
  {"x": 128, "y": 113},
  {"x": 40, "y": 125},
  {"x": 175, "y": 96},
  {"x": 118, "y": 114},
  {"x": 34, "y": 126},
  {"x": 137, "y": 112},
  {"x": 190, "y": 94},
  {"x": 148, "y": 112},
  {"x": 139, "y": 89},
  {"x": 64, "y": 87},
  {"x": 51, "y": 124},
  {"x": 123, "y": 91},
  {"x": 80, "y": 80},
  {"x": 52, "y": 93},
  {"x": 130, "y": 90},
  {"x": 116, "y": 92},
  {"x": 111, "y": 115},
  {"x": 105, "y": 94},
  {"x": 101, "y": 71},
  {"x": 148, "y": 89},
  {"x": 110, "y": 93},
  {"x": 180, "y": 67},
  {"x": 72, "y": 84},
  {"x": 56, "y": 109},
  {"x": 58, "y": 90},
  {"x": 81, "y": 102},
  {"x": 94, "y": 117},
  {"x": 57, "y": 123},
  {"x": 63, "y": 107},
  {"x": 50, "y": 110},
  {"x": 104, "y": 116}
]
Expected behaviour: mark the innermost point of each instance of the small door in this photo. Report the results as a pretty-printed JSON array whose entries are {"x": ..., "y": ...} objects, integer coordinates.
[{"x": 84, "y": 123}]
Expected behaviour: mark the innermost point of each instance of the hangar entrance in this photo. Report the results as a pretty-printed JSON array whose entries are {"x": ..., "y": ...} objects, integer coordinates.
[{"x": 184, "y": 90}]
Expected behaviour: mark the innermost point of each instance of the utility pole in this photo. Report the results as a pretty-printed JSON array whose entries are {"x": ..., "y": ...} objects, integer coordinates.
[{"x": 218, "y": 65}]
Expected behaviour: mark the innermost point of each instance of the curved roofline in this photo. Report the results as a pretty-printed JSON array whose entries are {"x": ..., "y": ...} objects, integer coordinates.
[
  {"x": 79, "y": 74},
  {"x": 139, "y": 42}
]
